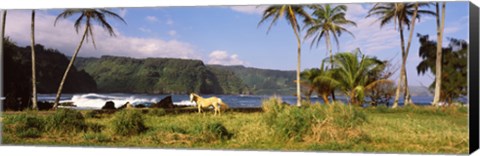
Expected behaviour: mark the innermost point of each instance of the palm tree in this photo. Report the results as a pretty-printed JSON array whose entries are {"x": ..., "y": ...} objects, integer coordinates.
[
  {"x": 34, "y": 80},
  {"x": 328, "y": 22},
  {"x": 88, "y": 16},
  {"x": 438, "y": 73},
  {"x": 319, "y": 80},
  {"x": 353, "y": 71},
  {"x": 400, "y": 13},
  {"x": 290, "y": 12},
  {"x": 4, "y": 18}
]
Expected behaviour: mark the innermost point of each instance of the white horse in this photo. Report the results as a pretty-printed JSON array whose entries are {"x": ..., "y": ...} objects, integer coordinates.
[{"x": 201, "y": 102}]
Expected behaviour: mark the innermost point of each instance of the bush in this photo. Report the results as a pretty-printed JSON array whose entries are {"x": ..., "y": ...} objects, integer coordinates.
[
  {"x": 218, "y": 131},
  {"x": 66, "y": 120},
  {"x": 95, "y": 127},
  {"x": 96, "y": 137},
  {"x": 296, "y": 123},
  {"x": 128, "y": 122},
  {"x": 26, "y": 126}
]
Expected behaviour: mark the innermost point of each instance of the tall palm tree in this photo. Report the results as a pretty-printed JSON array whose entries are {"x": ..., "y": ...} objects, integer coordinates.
[
  {"x": 328, "y": 22},
  {"x": 438, "y": 73},
  {"x": 4, "y": 18},
  {"x": 291, "y": 13},
  {"x": 352, "y": 71},
  {"x": 87, "y": 16},
  {"x": 400, "y": 13},
  {"x": 34, "y": 79}
]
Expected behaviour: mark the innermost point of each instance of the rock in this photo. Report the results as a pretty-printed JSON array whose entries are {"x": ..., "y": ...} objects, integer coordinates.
[
  {"x": 127, "y": 105},
  {"x": 44, "y": 105},
  {"x": 109, "y": 105},
  {"x": 139, "y": 106},
  {"x": 164, "y": 103}
]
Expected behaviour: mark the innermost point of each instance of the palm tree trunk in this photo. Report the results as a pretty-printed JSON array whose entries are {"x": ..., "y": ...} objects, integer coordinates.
[
  {"x": 325, "y": 99},
  {"x": 329, "y": 47},
  {"x": 59, "y": 92},
  {"x": 438, "y": 62},
  {"x": 1, "y": 53},
  {"x": 299, "y": 52},
  {"x": 408, "y": 98},
  {"x": 402, "y": 69},
  {"x": 34, "y": 79}
]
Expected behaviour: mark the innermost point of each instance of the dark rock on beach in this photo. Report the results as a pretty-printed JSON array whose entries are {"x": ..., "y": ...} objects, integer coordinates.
[
  {"x": 164, "y": 103},
  {"x": 43, "y": 105},
  {"x": 109, "y": 105}
]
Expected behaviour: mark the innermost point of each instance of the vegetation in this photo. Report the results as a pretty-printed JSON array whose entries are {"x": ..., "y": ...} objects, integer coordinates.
[
  {"x": 88, "y": 16},
  {"x": 128, "y": 122},
  {"x": 291, "y": 13},
  {"x": 50, "y": 65},
  {"x": 400, "y": 13},
  {"x": 313, "y": 127},
  {"x": 454, "y": 69}
]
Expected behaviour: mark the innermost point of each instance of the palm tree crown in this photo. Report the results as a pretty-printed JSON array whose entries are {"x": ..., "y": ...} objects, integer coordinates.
[
  {"x": 397, "y": 12},
  {"x": 89, "y": 16},
  {"x": 327, "y": 20}
]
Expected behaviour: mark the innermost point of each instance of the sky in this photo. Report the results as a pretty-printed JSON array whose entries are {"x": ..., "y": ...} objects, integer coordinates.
[{"x": 230, "y": 35}]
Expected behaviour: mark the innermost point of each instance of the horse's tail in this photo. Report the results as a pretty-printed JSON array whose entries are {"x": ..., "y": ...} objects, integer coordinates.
[{"x": 223, "y": 105}]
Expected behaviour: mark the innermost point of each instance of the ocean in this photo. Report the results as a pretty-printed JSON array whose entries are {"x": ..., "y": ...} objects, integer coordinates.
[{"x": 96, "y": 100}]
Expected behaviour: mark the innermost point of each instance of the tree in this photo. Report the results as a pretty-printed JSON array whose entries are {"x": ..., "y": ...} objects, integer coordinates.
[
  {"x": 400, "y": 13},
  {"x": 328, "y": 22},
  {"x": 4, "y": 18},
  {"x": 352, "y": 74},
  {"x": 34, "y": 80},
  {"x": 438, "y": 74},
  {"x": 290, "y": 12},
  {"x": 320, "y": 81},
  {"x": 381, "y": 93},
  {"x": 88, "y": 16},
  {"x": 454, "y": 69}
]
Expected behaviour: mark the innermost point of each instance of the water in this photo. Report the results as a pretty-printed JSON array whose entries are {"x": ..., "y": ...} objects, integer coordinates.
[{"x": 96, "y": 101}]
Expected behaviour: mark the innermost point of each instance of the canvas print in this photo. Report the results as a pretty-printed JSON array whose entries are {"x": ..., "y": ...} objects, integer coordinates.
[{"x": 358, "y": 77}]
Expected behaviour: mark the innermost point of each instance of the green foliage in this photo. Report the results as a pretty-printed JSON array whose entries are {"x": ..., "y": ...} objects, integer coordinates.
[
  {"x": 26, "y": 126},
  {"x": 66, "y": 120},
  {"x": 262, "y": 81},
  {"x": 454, "y": 66},
  {"x": 128, "y": 122},
  {"x": 218, "y": 131},
  {"x": 292, "y": 122},
  {"x": 96, "y": 137}
]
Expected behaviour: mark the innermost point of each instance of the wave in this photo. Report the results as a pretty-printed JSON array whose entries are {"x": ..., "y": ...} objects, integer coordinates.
[
  {"x": 93, "y": 100},
  {"x": 184, "y": 103}
]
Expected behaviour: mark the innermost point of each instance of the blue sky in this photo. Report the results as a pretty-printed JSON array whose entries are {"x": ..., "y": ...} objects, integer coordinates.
[{"x": 229, "y": 35}]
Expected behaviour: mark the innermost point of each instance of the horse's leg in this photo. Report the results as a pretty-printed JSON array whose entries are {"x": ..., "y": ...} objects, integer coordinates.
[{"x": 199, "y": 109}]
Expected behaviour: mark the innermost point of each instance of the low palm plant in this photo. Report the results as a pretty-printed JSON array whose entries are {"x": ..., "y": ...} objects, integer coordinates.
[{"x": 352, "y": 72}]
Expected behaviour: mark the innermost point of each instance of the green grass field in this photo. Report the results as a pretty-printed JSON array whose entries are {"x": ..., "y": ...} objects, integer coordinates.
[{"x": 310, "y": 128}]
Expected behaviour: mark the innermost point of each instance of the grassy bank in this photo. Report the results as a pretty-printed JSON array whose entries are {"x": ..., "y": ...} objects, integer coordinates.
[{"x": 277, "y": 127}]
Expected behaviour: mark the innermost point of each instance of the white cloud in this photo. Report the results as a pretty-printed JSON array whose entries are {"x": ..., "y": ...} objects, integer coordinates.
[
  {"x": 222, "y": 57},
  {"x": 251, "y": 9},
  {"x": 151, "y": 19},
  {"x": 64, "y": 38},
  {"x": 172, "y": 33}
]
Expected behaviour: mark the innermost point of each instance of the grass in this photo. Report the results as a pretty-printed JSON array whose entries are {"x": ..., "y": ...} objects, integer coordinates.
[{"x": 279, "y": 127}]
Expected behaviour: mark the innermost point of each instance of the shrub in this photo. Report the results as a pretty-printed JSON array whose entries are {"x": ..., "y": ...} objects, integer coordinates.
[
  {"x": 66, "y": 120},
  {"x": 296, "y": 123},
  {"x": 218, "y": 131},
  {"x": 26, "y": 126},
  {"x": 128, "y": 122},
  {"x": 95, "y": 127}
]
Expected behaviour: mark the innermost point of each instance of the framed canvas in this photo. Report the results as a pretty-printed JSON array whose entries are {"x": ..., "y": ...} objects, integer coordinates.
[{"x": 362, "y": 77}]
